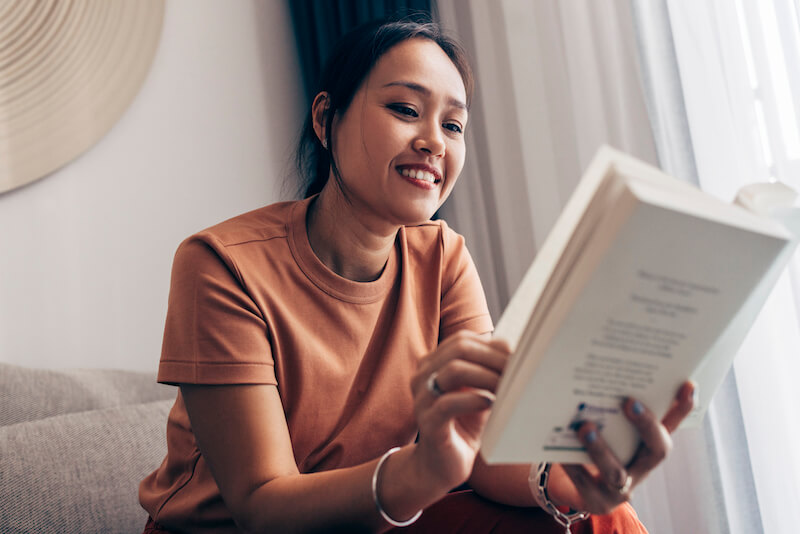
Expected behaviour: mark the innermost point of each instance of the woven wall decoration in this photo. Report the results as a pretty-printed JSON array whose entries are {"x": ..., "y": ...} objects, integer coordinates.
[{"x": 68, "y": 70}]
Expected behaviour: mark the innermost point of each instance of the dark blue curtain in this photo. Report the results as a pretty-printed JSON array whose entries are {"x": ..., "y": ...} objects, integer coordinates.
[{"x": 318, "y": 24}]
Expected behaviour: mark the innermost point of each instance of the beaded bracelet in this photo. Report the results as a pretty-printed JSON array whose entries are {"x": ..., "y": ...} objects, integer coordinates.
[
  {"x": 378, "y": 502},
  {"x": 537, "y": 480}
]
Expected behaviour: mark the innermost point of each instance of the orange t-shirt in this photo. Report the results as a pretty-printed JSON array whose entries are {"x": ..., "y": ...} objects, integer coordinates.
[{"x": 250, "y": 303}]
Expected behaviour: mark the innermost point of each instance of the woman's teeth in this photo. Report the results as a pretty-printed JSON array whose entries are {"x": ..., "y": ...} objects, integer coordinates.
[{"x": 419, "y": 175}]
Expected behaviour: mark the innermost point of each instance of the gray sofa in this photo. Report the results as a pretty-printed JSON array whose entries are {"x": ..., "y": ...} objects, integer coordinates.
[{"x": 74, "y": 445}]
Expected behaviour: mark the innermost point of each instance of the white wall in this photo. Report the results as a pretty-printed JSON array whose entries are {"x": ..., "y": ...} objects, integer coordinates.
[{"x": 85, "y": 253}]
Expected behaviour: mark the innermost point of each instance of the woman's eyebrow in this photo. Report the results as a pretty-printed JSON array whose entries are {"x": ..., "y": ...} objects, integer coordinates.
[{"x": 424, "y": 91}]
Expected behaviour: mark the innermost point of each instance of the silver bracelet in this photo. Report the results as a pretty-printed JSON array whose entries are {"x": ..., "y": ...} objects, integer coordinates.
[
  {"x": 537, "y": 480},
  {"x": 378, "y": 502}
]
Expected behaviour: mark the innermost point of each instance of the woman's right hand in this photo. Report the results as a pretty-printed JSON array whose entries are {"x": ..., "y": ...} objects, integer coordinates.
[{"x": 454, "y": 389}]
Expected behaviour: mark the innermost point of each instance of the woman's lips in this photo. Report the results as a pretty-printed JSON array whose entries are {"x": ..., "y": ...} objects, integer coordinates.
[
  {"x": 418, "y": 177},
  {"x": 420, "y": 174}
]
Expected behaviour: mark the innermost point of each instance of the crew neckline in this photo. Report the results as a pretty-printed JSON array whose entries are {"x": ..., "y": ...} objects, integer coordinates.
[{"x": 324, "y": 278}]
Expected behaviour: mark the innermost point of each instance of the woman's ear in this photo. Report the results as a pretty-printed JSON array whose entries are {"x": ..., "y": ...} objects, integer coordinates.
[{"x": 319, "y": 116}]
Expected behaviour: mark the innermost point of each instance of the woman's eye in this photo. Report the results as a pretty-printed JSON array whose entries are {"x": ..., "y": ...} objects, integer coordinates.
[
  {"x": 453, "y": 127},
  {"x": 403, "y": 110}
]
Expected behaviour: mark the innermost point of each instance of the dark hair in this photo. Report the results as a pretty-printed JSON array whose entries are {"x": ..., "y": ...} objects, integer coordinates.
[{"x": 349, "y": 63}]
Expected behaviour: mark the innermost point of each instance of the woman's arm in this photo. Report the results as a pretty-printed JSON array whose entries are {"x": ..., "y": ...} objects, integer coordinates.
[{"x": 242, "y": 433}]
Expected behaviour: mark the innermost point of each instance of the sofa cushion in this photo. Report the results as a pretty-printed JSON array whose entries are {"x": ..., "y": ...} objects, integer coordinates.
[
  {"x": 80, "y": 472},
  {"x": 30, "y": 394}
]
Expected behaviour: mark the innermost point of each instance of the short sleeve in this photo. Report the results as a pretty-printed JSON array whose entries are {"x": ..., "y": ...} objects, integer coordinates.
[
  {"x": 214, "y": 332},
  {"x": 463, "y": 300}
]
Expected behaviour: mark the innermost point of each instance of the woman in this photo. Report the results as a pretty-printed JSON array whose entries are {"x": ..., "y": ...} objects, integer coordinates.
[{"x": 309, "y": 338}]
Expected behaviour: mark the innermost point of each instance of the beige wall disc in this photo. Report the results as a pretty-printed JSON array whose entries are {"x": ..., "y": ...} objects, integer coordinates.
[{"x": 68, "y": 70}]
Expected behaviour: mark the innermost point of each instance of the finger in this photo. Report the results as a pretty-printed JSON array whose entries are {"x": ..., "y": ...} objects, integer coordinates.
[
  {"x": 500, "y": 344},
  {"x": 681, "y": 406},
  {"x": 428, "y": 393},
  {"x": 457, "y": 374},
  {"x": 459, "y": 403},
  {"x": 596, "y": 498},
  {"x": 465, "y": 346},
  {"x": 470, "y": 346},
  {"x": 656, "y": 441},
  {"x": 611, "y": 470},
  {"x": 434, "y": 389}
]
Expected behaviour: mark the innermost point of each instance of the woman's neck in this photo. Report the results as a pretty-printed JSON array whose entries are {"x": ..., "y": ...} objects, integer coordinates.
[{"x": 347, "y": 241}]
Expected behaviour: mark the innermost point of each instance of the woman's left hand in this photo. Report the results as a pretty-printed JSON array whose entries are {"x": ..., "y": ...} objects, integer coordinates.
[{"x": 599, "y": 488}]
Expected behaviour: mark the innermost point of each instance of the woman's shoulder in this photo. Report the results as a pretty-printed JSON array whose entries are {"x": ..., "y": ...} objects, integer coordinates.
[
  {"x": 258, "y": 225},
  {"x": 268, "y": 225},
  {"x": 235, "y": 244}
]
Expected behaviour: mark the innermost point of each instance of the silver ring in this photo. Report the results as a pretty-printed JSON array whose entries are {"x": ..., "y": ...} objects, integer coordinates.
[
  {"x": 433, "y": 385},
  {"x": 626, "y": 487}
]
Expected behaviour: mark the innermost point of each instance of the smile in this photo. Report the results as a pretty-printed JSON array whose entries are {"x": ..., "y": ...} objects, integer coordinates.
[{"x": 419, "y": 175}]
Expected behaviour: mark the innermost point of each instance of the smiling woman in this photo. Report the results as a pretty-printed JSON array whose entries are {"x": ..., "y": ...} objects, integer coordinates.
[
  {"x": 397, "y": 151},
  {"x": 312, "y": 341}
]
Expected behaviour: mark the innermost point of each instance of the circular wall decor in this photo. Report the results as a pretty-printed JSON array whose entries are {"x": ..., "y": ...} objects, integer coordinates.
[{"x": 68, "y": 70}]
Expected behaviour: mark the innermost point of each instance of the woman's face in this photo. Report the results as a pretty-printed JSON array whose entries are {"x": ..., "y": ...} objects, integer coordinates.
[{"x": 400, "y": 145}]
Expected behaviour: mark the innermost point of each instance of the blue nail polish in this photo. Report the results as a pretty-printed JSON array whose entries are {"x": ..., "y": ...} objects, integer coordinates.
[
  {"x": 637, "y": 408},
  {"x": 575, "y": 425},
  {"x": 591, "y": 437}
]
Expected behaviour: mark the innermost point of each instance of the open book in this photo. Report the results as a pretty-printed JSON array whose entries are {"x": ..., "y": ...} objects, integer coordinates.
[{"x": 645, "y": 281}]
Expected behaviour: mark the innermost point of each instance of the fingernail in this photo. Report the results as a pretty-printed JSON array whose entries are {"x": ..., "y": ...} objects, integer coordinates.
[
  {"x": 695, "y": 396},
  {"x": 637, "y": 408},
  {"x": 591, "y": 437},
  {"x": 575, "y": 425}
]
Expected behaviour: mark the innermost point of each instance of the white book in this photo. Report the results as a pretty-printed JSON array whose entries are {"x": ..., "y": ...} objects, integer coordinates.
[{"x": 644, "y": 282}]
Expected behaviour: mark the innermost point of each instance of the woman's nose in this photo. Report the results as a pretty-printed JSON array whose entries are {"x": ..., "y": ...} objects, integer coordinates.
[{"x": 430, "y": 141}]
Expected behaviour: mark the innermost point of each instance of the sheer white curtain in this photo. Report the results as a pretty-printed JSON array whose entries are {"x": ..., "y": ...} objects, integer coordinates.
[
  {"x": 739, "y": 64},
  {"x": 652, "y": 77}
]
